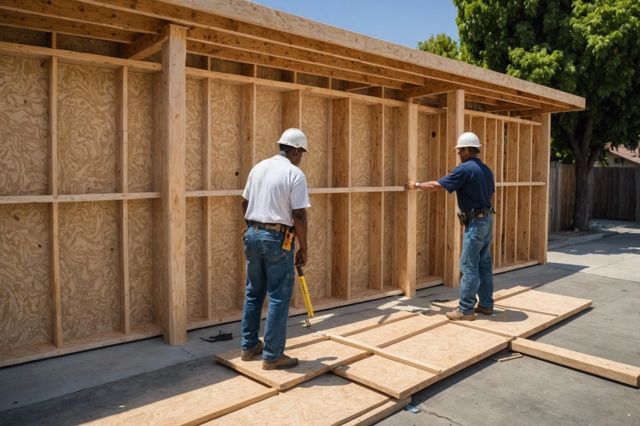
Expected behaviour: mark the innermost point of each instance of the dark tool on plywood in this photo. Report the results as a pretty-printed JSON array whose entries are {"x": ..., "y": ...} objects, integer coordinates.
[{"x": 220, "y": 337}]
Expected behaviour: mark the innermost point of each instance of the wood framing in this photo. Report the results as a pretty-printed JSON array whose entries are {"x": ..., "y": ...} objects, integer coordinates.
[{"x": 139, "y": 123}]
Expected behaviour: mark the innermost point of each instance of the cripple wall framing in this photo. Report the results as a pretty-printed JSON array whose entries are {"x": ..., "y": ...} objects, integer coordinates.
[{"x": 120, "y": 212}]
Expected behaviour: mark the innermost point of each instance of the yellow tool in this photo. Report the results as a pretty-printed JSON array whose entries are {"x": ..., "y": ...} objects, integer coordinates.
[{"x": 305, "y": 296}]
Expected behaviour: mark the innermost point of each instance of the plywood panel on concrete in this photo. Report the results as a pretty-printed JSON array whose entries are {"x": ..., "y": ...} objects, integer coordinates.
[
  {"x": 194, "y": 144},
  {"x": 25, "y": 295},
  {"x": 315, "y": 359},
  {"x": 546, "y": 303},
  {"x": 450, "y": 347},
  {"x": 385, "y": 317},
  {"x": 315, "y": 125},
  {"x": 268, "y": 123},
  {"x": 89, "y": 269},
  {"x": 226, "y": 135},
  {"x": 140, "y": 132},
  {"x": 394, "y": 332},
  {"x": 512, "y": 322},
  {"x": 141, "y": 254},
  {"x": 385, "y": 375},
  {"x": 194, "y": 259},
  {"x": 87, "y": 140},
  {"x": 325, "y": 400},
  {"x": 24, "y": 122}
]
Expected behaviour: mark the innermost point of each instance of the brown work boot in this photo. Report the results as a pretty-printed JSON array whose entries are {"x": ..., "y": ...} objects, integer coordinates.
[
  {"x": 485, "y": 311},
  {"x": 250, "y": 353},
  {"x": 281, "y": 363},
  {"x": 457, "y": 315}
]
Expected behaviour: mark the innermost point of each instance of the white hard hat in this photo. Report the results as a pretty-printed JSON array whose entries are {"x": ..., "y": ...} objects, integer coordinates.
[
  {"x": 295, "y": 138},
  {"x": 468, "y": 139}
]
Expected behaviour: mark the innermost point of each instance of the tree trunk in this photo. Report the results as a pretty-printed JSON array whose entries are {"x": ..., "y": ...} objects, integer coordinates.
[{"x": 581, "y": 206}]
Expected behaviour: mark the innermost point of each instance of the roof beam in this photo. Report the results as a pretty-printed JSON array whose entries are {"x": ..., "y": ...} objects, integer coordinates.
[{"x": 146, "y": 45}]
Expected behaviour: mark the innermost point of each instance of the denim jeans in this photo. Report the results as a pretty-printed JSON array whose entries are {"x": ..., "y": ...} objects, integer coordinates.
[
  {"x": 269, "y": 271},
  {"x": 475, "y": 265}
]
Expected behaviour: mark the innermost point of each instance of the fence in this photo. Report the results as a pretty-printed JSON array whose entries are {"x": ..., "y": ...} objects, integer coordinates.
[{"x": 614, "y": 193}]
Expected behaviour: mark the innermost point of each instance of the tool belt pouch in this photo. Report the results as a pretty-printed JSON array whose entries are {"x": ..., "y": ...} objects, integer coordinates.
[
  {"x": 462, "y": 217},
  {"x": 287, "y": 239}
]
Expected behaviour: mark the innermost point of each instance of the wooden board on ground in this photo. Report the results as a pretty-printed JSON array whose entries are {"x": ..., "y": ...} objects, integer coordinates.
[
  {"x": 511, "y": 322},
  {"x": 315, "y": 360},
  {"x": 497, "y": 295},
  {"x": 545, "y": 303},
  {"x": 370, "y": 323},
  {"x": 612, "y": 370},
  {"x": 388, "y": 334},
  {"x": 379, "y": 413},
  {"x": 449, "y": 347},
  {"x": 227, "y": 392},
  {"x": 325, "y": 400},
  {"x": 391, "y": 377}
]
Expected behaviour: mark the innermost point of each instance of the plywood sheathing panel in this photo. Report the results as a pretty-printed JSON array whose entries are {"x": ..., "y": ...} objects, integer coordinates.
[
  {"x": 140, "y": 132},
  {"x": 141, "y": 258},
  {"x": 89, "y": 269},
  {"x": 25, "y": 295},
  {"x": 87, "y": 139},
  {"x": 546, "y": 303},
  {"x": 268, "y": 123},
  {"x": 194, "y": 146},
  {"x": 315, "y": 125},
  {"x": 24, "y": 122},
  {"x": 218, "y": 391},
  {"x": 424, "y": 213},
  {"x": 325, "y": 400},
  {"x": 449, "y": 347},
  {"x": 394, "y": 332},
  {"x": 225, "y": 239},
  {"x": 315, "y": 360},
  {"x": 316, "y": 272},
  {"x": 359, "y": 229},
  {"x": 390, "y": 146},
  {"x": 386, "y": 375},
  {"x": 385, "y": 318},
  {"x": 194, "y": 259},
  {"x": 226, "y": 135}
]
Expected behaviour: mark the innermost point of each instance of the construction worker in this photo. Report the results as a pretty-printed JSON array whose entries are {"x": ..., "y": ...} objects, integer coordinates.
[
  {"x": 275, "y": 199},
  {"x": 474, "y": 185}
]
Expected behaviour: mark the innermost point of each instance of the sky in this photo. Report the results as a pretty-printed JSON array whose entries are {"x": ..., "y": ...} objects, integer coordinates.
[{"x": 404, "y": 22}]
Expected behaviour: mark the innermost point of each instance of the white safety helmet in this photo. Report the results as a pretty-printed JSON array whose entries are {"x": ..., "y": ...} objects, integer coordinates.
[
  {"x": 295, "y": 138},
  {"x": 468, "y": 140}
]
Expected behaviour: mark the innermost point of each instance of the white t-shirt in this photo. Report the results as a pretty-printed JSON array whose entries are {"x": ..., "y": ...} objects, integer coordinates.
[{"x": 274, "y": 189}]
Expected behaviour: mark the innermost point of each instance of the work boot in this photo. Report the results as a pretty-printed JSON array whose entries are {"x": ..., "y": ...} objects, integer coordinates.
[
  {"x": 250, "y": 353},
  {"x": 457, "y": 315},
  {"x": 485, "y": 311},
  {"x": 281, "y": 363}
]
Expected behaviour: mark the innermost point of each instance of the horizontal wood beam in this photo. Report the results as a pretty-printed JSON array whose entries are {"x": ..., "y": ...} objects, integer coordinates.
[
  {"x": 145, "y": 46},
  {"x": 86, "y": 13},
  {"x": 10, "y": 18}
]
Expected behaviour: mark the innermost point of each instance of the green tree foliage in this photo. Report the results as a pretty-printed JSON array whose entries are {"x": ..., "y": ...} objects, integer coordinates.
[
  {"x": 441, "y": 44},
  {"x": 587, "y": 47}
]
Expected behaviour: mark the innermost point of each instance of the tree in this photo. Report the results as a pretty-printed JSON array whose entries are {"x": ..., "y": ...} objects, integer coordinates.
[
  {"x": 587, "y": 47},
  {"x": 441, "y": 44}
]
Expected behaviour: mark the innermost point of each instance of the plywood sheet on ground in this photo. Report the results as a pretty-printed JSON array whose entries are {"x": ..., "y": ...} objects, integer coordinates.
[
  {"x": 315, "y": 359},
  {"x": 227, "y": 392},
  {"x": 449, "y": 347},
  {"x": 391, "y": 377},
  {"x": 369, "y": 323},
  {"x": 391, "y": 333},
  {"x": 512, "y": 322},
  {"x": 546, "y": 303},
  {"x": 497, "y": 295},
  {"x": 326, "y": 400}
]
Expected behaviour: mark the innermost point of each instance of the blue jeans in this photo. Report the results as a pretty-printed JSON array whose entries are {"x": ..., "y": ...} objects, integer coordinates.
[
  {"x": 269, "y": 271},
  {"x": 475, "y": 265}
]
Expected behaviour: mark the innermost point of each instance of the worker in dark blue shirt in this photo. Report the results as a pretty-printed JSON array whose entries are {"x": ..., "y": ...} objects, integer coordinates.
[{"x": 474, "y": 185}]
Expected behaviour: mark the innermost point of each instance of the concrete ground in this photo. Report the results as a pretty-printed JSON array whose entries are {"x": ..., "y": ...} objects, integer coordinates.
[{"x": 603, "y": 266}]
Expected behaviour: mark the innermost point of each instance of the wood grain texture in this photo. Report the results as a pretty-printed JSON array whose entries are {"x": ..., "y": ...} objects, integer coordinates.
[
  {"x": 361, "y": 141},
  {"x": 141, "y": 260},
  {"x": 194, "y": 147},
  {"x": 25, "y": 296},
  {"x": 386, "y": 317},
  {"x": 24, "y": 122},
  {"x": 316, "y": 271},
  {"x": 545, "y": 303},
  {"x": 315, "y": 125},
  {"x": 268, "y": 123},
  {"x": 87, "y": 138},
  {"x": 359, "y": 229},
  {"x": 89, "y": 256},
  {"x": 388, "y": 334},
  {"x": 315, "y": 360},
  {"x": 225, "y": 238},
  {"x": 512, "y": 322},
  {"x": 423, "y": 243},
  {"x": 226, "y": 136},
  {"x": 194, "y": 259},
  {"x": 449, "y": 347},
  {"x": 335, "y": 401},
  {"x": 140, "y": 132}
]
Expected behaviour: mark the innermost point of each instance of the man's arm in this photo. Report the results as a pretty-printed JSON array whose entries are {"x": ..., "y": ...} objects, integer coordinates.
[
  {"x": 245, "y": 204},
  {"x": 431, "y": 186},
  {"x": 300, "y": 223}
]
